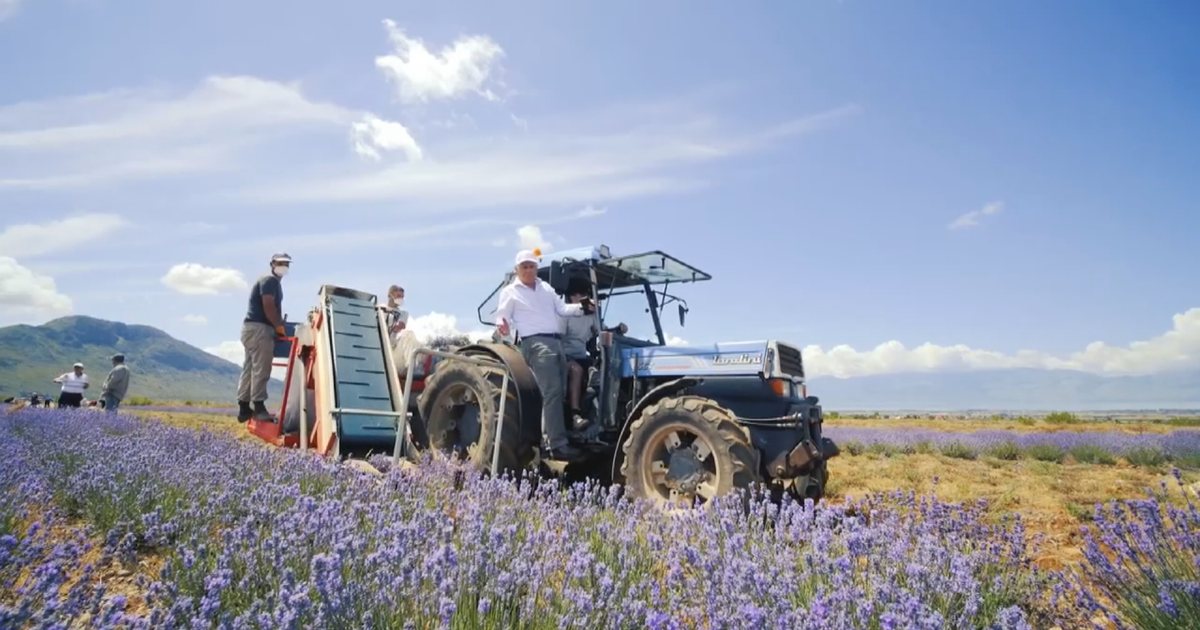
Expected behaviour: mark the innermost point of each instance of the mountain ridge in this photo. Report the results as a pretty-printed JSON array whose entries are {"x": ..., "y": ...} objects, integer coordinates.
[{"x": 162, "y": 367}]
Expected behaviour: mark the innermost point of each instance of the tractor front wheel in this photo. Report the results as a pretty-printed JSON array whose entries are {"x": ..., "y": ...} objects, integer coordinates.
[{"x": 686, "y": 451}]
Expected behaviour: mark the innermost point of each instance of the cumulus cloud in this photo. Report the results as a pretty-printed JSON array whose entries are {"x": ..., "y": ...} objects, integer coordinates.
[
  {"x": 421, "y": 75},
  {"x": 233, "y": 352},
  {"x": 373, "y": 135},
  {"x": 1178, "y": 348},
  {"x": 195, "y": 320},
  {"x": 228, "y": 350},
  {"x": 196, "y": 279},
  {"x": 972, "y": 218},
  {"x": 26, "y": 294},
  {"x": 432, "y": 325},
  {"x": 33, "y": 239},
  {"x": 672, "y": 340},
  {"x": 530, "y": 237}
]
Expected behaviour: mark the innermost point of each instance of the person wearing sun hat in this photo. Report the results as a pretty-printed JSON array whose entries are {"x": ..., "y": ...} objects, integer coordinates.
[
  {"x": 530, "y": 308},
  {"x": 73, "y": 384},
  {"x": 262, "y": 324}
]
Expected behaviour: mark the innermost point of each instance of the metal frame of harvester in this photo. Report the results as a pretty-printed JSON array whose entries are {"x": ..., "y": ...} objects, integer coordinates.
[{"x": 309, "y": 355}]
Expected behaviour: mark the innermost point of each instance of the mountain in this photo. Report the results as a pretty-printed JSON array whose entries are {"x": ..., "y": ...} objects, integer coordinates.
[
  {"x": 162, "y": 367},
  {"x": 165, "y": 368},
  {"x": 1016, "y": 389}
]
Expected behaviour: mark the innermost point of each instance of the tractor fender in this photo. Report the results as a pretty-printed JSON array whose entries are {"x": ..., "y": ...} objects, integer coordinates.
[
  {"x": 529, "y": 397},
  {"x": 658, "y": 393}
]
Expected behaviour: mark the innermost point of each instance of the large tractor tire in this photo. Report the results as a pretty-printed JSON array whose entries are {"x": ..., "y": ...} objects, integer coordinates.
[
  {"x": 456, "y": 409},
  {"x": 686, "y": 451}
]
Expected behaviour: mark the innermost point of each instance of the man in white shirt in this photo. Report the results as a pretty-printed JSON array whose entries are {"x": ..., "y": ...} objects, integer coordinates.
[
  {"x": 73, "y": 384},
  {"x": 530, "y": 308}
]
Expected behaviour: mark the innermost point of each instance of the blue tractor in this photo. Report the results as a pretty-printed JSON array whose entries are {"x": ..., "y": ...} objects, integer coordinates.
[{"x": 674, "y": 424}]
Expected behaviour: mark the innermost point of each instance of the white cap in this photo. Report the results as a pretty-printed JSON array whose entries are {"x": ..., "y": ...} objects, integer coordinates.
[
  {"x": 529, "y": 255},
  {"x": 77, "y": 365},
  {"x": 284, "y": 258}
]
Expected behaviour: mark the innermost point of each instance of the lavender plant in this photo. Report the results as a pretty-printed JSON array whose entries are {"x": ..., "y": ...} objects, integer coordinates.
[
  {"x": 252, "y": 537},
  {"x": 1143, "y": 562},
  {"x": 1181, "y": 447}
]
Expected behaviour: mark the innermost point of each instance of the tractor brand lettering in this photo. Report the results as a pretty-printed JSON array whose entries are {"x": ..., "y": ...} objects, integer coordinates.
[{"x": 737, "y": 359}]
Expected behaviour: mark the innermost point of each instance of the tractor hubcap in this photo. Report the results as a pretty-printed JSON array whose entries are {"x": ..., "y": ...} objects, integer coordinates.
[
  {"x": 680, "y": 467},
  {"x": 458, "y": 428}
]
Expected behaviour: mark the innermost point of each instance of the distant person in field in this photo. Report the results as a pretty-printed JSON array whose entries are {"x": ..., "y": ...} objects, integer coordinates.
[
  {"x": 262, "y": 324},
  {"x": 115, "y": 385},
  {"x": 73, "y": 385}
]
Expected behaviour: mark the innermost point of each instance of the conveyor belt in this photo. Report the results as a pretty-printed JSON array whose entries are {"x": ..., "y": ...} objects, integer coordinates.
[{"x": 361, "y": 378}]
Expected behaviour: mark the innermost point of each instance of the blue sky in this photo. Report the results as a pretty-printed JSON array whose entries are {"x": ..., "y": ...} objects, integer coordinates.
[{"x": 895, "y": 186}]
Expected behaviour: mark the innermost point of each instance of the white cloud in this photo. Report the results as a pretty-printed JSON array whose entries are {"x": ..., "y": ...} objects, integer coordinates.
[
  {"x": 196, "y": 279},
  {"x": 972, "y": 218},
  {"x": 530, "y": 237},
  {"x": 548, "y": 168},
  {"x": 232, "y": 104},
  {"x": 195, "y": 320},
  {"x": 427, "y": 327},
  {"x": 228, "y": 350},
  {"x": 1178, "y": 348},
  {"x": 233, "y": 352},
  {"x": 672, "y": 340},
  {"x": 372, "y": 135},
  {"x": 121, "y": 135},
  {"x": 25, "y": 294},
  {"x": 8, "y": 8},
  {"x": 421, "y": 75},
  {"x": 201, "y": 227},
  {"x": 33, "y": 239},
  {"x": 412, "y": 234},
  {"x": 589, "y": 211}
]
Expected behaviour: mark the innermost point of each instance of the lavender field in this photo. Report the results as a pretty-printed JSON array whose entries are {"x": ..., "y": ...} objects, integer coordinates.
[
  {"x": 1181, "y": 447},
  {"x": 222, "y": 411},
  {"x": 214, "y": 532}
]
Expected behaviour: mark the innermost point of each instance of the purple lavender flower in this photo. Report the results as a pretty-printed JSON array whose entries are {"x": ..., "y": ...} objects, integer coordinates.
[{"x": 256, "y": 537}]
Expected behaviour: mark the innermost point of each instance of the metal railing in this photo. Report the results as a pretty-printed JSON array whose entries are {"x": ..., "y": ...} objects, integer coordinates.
[{"x": 402, "y": 427}]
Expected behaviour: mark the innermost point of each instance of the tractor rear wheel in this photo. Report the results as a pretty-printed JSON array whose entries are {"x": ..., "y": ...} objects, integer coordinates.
[
  {"x": 457, "y": 408},
  {"x": 687, "y": 450}
]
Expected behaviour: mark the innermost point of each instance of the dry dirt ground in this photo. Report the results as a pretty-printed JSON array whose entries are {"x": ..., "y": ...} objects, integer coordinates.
[{"x": 1055, "y": 500}]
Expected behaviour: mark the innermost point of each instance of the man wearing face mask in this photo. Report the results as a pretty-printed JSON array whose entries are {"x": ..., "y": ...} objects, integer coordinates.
[
  {"x": 262, "y": 325},
  {"x": 397, "y": 317}
]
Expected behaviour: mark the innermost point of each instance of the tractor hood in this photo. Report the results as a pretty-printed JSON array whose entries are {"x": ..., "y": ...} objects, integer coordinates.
[{"x": 738, "y": 358}]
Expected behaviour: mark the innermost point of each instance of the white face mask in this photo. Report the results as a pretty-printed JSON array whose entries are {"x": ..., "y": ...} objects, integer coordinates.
[{"x": 281, "y": 270}]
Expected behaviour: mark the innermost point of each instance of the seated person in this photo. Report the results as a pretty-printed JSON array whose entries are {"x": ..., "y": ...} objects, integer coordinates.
[{"x": 578, "y": 332}]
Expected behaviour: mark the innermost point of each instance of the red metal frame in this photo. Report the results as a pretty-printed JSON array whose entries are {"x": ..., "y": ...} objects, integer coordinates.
[{"x": 273, "y": 431}]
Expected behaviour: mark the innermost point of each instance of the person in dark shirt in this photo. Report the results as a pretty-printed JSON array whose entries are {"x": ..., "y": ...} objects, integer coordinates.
[{"x": 261, "y": 326}]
